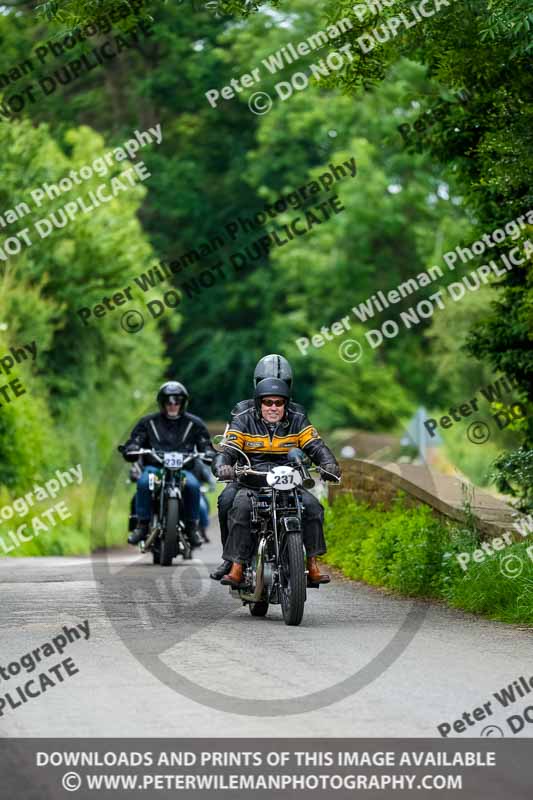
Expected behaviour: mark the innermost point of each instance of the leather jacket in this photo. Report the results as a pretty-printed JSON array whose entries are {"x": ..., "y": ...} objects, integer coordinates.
[
  {"x": 267, "y": 446},
  {"x": 159, "y": 432}
]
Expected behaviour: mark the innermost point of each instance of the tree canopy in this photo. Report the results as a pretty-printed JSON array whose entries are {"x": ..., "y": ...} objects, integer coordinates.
[{"x": 438, "y": 122}]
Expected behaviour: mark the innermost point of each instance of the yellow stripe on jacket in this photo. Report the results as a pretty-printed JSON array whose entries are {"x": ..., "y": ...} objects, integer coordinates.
[{"x": 261, "y": 444}]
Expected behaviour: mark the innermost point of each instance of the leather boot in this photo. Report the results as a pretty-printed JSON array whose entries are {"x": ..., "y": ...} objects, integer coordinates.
[
  {"x": 140, "y": 532},
  {"x": 221, "y": 570},
  {"x": 234, "y": 576},
  {"x": 314, "y": 574}
]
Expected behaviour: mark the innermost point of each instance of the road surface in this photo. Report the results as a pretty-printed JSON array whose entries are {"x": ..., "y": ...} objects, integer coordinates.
[{"x": 148, "y": 623}]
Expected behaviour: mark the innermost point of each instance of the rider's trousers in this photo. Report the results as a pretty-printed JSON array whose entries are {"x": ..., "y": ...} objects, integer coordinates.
[
  {"x": 225, "y": 502},
  {"x": 240, "y": 545},
  {"x": 191, "y": 496}
]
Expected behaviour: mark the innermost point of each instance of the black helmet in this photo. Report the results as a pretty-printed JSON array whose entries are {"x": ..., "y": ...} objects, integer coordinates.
[
  {"x": 173, "y": 389},
  {"x": 270, "y": 386},
  {"x": 273, "y": 366}
]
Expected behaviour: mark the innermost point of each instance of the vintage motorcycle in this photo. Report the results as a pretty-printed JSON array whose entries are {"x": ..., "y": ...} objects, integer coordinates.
[
  {"x": 278, "y": 573},
  {"x": 166, "y": 536}
]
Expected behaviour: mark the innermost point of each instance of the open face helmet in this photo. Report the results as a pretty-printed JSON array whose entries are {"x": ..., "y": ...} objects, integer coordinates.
[
  {"x": 271, "y": 387},
  {"x": 173, "y": 390}
]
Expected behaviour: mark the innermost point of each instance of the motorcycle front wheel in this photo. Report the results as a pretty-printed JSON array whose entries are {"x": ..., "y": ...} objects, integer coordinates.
[
  {"x": 169, "y": 541},
  {"x": 293, "y": 581}
]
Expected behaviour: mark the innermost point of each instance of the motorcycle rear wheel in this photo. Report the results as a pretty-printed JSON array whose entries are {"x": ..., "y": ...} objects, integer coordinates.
[
  {"x": 169, "y": 541},
  {"x": 293, "y": 593},
  {"x": 259, "y": 609}
]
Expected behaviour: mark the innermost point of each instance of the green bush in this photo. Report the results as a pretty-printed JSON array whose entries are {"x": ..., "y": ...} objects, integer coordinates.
[
  {"x": 514, "y": 475},
  {"x": 410, "y": 550}
]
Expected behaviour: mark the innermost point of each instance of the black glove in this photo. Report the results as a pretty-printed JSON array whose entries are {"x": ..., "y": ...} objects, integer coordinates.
[
  {"x": 333, "y": 469},
  {"x": 226, "y": 472},
  {"x": 129, "y": 450}
]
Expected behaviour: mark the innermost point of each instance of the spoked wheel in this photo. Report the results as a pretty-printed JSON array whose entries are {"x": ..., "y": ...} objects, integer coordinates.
[
  {"x": 169, "y": 542},
  {"x": 293, "y": 581},
  {"x": 259, "y": 609}
]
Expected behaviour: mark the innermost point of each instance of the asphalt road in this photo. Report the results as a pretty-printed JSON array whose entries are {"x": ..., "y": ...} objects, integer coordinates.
[{"x": 171, "y": 653}]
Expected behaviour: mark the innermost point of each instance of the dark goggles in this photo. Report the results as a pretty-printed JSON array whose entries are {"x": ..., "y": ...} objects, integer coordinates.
[
  {"x": 277, "y": 403},
  {"x": 173, "y": 400}
]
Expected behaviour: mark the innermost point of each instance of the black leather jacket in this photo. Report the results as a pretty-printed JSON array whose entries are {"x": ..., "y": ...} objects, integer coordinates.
[
  {"x": 267, "y": 447},
  {"x": 159, "y": 432}
]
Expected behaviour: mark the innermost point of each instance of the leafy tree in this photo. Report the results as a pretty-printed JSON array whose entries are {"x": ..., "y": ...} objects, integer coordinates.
[
  {"x": 483, "y": 47},
  {"x": 91, "y": 377}
]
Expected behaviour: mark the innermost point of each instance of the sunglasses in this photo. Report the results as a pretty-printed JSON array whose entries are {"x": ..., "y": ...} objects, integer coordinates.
[
  {"x": 277, "y": 403},
  {"x": 173, "y": 401}
]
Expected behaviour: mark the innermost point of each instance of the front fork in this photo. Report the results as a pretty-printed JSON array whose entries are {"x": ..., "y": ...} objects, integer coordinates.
[{"x": 159, "y": 481}]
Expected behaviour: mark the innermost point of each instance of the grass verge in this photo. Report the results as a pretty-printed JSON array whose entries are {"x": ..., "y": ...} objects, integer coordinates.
[{"x": 411, "y": 551}]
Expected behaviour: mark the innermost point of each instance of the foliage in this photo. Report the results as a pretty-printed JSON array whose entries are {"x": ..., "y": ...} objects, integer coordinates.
[
  {"x": 72, "y": 536},
  {"x": 86, "y": 382},
  {"x": 514, "y": 476},
  {"x": 466, "y": 175},
  {"x": 483, "y": 47},
  {"x": 361, "y": 395},
  {"x": 409, "y": 550}
]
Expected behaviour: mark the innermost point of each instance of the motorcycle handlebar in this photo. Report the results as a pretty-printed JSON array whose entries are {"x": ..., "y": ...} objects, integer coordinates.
[
  {"x": 325, "y": 472},
  {"x": 158, "y": 453},
  {"x": 308, "y": 482}
]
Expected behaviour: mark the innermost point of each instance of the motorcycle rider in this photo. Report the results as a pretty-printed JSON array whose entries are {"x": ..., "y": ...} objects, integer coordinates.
[
  {"x": 266, "y": 433},
  {"x": 270, "y": 366},
  {"x": 201, "y": 471},
  {"x": 172, "y": 428}
]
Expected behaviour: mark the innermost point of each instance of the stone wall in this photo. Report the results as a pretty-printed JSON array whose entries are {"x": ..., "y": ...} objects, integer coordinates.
[{"x": 375, "y": 484}]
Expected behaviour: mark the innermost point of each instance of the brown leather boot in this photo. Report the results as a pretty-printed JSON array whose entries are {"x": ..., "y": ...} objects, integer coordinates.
[
  {"x": 314, "y": 574},
  {"x": 234, "y": 576}
]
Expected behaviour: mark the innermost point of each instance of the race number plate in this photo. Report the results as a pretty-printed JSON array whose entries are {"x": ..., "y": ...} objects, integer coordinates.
[
  {"x": 173, "y": 460},
  {"x": 284, "y": 478}
]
